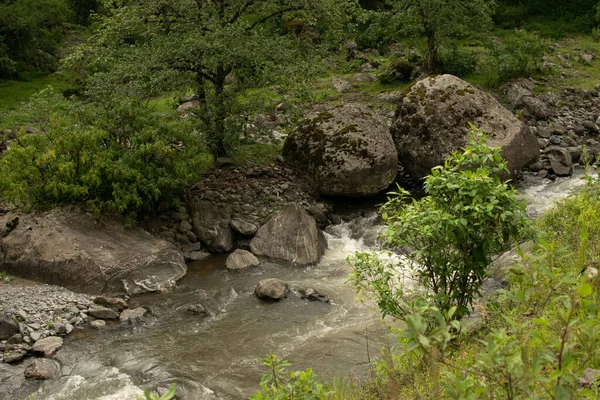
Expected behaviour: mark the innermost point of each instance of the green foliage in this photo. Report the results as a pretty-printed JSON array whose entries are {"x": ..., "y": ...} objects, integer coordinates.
[
  {"x": 30, "y": 34},
  {"x": 279, "y": 383},
  {"x": 397, "y": 70},
  {"x": 458, "y": 61},
  {"x": 448, "y": 237},
  {"x": 142, "y": 48},
  {"x": 121, "y": 159},
  {"x": 4, "y": 278},
  {"x": 438, "y": 20},
  {"x": 519, "y": 54},
  {"x": 168, "y": 395}
]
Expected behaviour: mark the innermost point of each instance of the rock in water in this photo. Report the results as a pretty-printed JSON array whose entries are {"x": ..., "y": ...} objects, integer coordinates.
[
  {"x": 272, "y": 289},
  {"x": 69, "y": 248},
  {"x": 212, "y": 227},
  {"x": 241, "y": 259},
  {"x": 560, "y": 160},
  {"x": 433, "y": 118},
  {"x": 42, "y": 368},
  {"x": 133, "y": 315},
  {"x": 290, "y": 235},
  {"x": 347, "y": 151},
  {"x": 102, "y": 312}
]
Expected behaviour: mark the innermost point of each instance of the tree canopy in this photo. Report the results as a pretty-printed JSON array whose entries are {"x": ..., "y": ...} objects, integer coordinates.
[{"x": 144, "y": 48}]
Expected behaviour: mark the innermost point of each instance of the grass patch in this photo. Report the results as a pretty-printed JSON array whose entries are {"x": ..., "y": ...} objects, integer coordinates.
[{"x": 15, "y": 93}]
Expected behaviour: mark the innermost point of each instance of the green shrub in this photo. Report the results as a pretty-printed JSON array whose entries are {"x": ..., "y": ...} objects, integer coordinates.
[
  {"x": 519, "y": 54},
  {"x": 120, "y": 159},
  {"x": 397, "y": 70},
  {"x": 281, "y": 384},
  {"x": 458, "y": 61},
  {"x": 448, "y": 237}
]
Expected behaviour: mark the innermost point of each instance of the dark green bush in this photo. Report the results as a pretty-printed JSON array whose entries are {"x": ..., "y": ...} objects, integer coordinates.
[
  {"x": 459, "y": 61},
  {"x": 518, "y": 54},
  {"x": 398, "y": 70},
  {"x": 121, "y": 159}
]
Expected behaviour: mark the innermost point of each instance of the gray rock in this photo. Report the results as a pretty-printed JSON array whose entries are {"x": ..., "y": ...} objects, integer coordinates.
[
  {"x": 8, "y": 327},
  {"x": 187, "y": 107},
  {"x": 244, "y": 228},
  {"x": 67, "y": 247},
  {"x": 591, "y": 126},
  {"x": 560, "y": 161},
  {"x": 42, "y": 369},
  {"x": 543, "y": 133},
  {"x": 341, "y": 85},
  {"x": 98, "y": 324},
  {"x": 197, "y": 309},
  {"x": 212, "y": 227},
  {"x": 189, "y": 248},
  {"x": 538, "y": 108},
  {"x": 184, "y": 227},
  {"x": 347, "y": 151},
  {"x": 12, "y": 356},
  {"x": 290, "y": 235},
  {"x": 35, "y": 336},
  {"x": 241, "y": 259},
  {"x": 47, "y": 347},
  {"x": 198, "y": 256},
  {"x": 432, "y": 121},
  {"x": 15, "y": 339},
  {"x": 312, "y": 295},
  {"x": 587, "y": 58},
  {"x": 517, "y": 91},
  {"x": 111, "y": 302},
  {"x": 271, "y": 289},
  {"x": 133, "y": 315},
  {"x": 101, "y": 312}
]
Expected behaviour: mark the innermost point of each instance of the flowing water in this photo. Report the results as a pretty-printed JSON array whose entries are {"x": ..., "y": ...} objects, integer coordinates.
[{"x": 218, "y": 357}]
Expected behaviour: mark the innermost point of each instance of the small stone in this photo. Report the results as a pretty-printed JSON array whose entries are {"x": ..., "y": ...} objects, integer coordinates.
[
  {"x": 191, "y": 236},
  {"x": 197, "y": 309},
  {"x": 35, "y": 326},
  {"x": 11, "y": 356},
  {"x": 98, "y": 324},
  {"x": 313, "y": 295},
  {"x": 242, "y": 227},
  {"x": 341, "y": 85},
  {"x": 15, "y": 339},
  {"x": 111, "y": 302},
  {"x": 241, "y": 259},
  {"x": 198, "y": 256},
  {"x": 133, "y": 315},
  {"x": 103, "y": 313},
  {"x": 42, "y": 369},
  {"x": 47, "y": 347},
  {"x": 68, "y": 328},
  {"x": 271, "y": 289},
  {"x": 185, "y": 226},
  {"x": 35, "y": 336}
]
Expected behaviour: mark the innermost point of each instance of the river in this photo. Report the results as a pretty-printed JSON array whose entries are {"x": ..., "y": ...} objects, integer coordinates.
[{"x": 218, "y": 357}]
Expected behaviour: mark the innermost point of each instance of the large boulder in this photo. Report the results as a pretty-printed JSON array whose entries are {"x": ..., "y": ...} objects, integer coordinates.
[
  {"x": 212, "y": 227},
  {"x": 290, "y": 235},
  {"x": 71, "y": 248},
  {"x": 347, "y": 151},
  {"x": 433, "y": 118}
]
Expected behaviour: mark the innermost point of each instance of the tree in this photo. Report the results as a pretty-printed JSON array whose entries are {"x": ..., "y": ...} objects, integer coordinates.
[
  {"x": 142, "y": 48},
  {"x": 448, "y": 237},
  {"x": 440, "y": 19}
]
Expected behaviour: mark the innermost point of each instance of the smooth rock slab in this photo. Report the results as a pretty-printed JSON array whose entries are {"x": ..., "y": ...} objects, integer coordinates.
[
  {"x": 272, "y": 289},
  {"x": 68, "y": 247},
  {"x": 42, "y": 369},
  {"x": 241, "y": 259},
  {"x": 47, "y": 347},
  {"x": 103, "y": 313}
]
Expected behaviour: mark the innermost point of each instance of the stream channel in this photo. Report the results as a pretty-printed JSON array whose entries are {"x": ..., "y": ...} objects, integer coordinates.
[{"x": 218, "y": 357}]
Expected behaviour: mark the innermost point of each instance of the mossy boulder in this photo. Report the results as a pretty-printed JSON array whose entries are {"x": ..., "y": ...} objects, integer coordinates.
[
  {"x": 433, "y": 117},
  {"x": 347, "y": 151}
]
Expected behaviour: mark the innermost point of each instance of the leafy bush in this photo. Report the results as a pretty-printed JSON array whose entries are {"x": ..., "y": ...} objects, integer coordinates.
[
  {"x": 535, "y": 339},
  {"x": 397, "y": 70},
  {"x": 519, "y": 54},
  {"x": 279, "y": 383},
  {"x": 458, "y": 61},
  {"x": 448, "y": 237},
  {"x": 120, "y": 159},
  {"x": 31, "y": 32}
]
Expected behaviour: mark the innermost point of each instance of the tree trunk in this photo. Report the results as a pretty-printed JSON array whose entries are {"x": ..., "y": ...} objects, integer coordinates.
[
  {"x": 217, "y": 137},
  {"x": 431, "y": 50}
]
